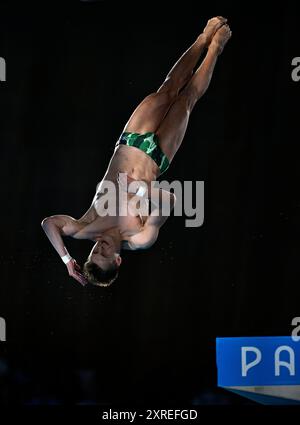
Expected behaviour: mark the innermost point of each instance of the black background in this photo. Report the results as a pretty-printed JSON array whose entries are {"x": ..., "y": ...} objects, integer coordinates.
[{"x": 74, "y": 74}]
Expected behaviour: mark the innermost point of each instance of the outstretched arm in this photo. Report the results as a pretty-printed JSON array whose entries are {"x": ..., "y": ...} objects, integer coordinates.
[{"x": 55, "y": 228}]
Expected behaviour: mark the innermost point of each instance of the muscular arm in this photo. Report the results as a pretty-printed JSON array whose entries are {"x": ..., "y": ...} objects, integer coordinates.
[
  {"x": 55, "y": 228},
  {"x": 163, "y": 202}
]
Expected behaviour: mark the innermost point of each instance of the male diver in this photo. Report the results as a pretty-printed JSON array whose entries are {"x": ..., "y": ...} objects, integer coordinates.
[{"x": 143, "y": 152}]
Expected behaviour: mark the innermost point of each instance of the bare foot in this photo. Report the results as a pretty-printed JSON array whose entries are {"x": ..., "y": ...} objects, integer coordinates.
[
  {"x": 212, "y": 27},
  {"x": 220, "y": 38}
]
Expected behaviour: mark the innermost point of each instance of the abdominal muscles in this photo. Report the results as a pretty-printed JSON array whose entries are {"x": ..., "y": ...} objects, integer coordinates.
[{"x": 136, "y": 163}]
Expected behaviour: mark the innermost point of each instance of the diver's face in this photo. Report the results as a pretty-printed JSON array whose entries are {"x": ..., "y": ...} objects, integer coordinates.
[{"x": 104, "y": 253}]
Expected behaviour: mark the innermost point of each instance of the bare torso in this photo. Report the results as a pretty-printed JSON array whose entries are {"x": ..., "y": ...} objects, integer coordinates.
[
  {"x": 136, "y": 163},
  {"x": 138, "y": 166}
]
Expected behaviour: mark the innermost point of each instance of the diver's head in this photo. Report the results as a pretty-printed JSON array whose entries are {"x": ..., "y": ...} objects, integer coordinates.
[{"x": 103, "y": 263}]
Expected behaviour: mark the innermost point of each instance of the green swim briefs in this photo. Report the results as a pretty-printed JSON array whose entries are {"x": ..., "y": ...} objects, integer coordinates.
[{"x": 148, "y": 143}]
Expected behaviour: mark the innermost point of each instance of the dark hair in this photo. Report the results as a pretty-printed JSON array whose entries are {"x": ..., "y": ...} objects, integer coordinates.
[{"x": 99, "y": 277}]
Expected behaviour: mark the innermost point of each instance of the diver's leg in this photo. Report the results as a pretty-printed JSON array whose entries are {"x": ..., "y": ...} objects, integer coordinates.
[
  {"x": 182, "y": 71},
  {"x": 172, "y": 129},
  {"x": 152, "y": 110}
]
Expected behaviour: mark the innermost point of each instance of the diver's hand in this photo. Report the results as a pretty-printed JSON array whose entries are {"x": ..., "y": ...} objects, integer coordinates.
[{"x": 75, "y": 272}]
